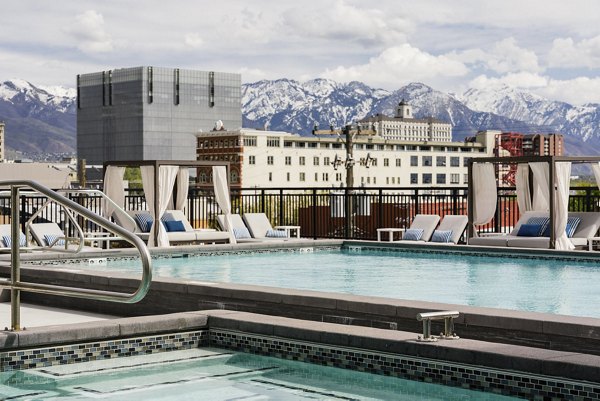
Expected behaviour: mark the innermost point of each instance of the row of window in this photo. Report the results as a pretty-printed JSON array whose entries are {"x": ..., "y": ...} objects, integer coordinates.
[
  {"x": 427, "y": 178},
  {"x": 302, "y": 177},
  {"x": 440, "y": 161}
]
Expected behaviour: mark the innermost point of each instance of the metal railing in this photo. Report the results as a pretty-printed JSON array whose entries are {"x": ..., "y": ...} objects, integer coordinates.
[{"x": 16, "y": 285}]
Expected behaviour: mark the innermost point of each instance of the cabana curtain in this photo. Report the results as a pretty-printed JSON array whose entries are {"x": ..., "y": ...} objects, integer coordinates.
[
  {"x": 484, "y": 193},
  {"x": 596, "y": 170},
  {"x": 166, "y": 182},
  {"x": 522, "y": 184},
  {"x": 114, "y": 188},
  {"x": 562, "y": 176},
  {"x": 183, "y": 186},
  {"x": 541, "y": 184},
  {"x": 222, "y": 197},
  {"x": 147, "y": 173}
]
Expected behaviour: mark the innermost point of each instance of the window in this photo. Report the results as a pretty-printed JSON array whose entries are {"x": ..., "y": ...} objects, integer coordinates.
[
  {"x": 440, "y": 161},
  {"x": 454, "y": 178},
  {"x": 302, "y": 177},
  {"x": 316, "y": 177},
  {"x": 338, "y": 176},
  {"x": 288, "y": 144},
  {"x": 414, "y": 161},
  {"x": 249, "y": 141},
  {"x": 302, "y": 160},
  {"x": 270, "y": 176},
  {"x": 313, "y": 144},
  {"x": 440, "y": 178},
  {"x": 466, "y": 179},
  {"x": 326, "y": 161},
  {"x": 374, "y": 162},
  {"x": 427, "y": 178},
  {"x": 426, "y": 160},
  {"x": 288, "y": 176},
  {"x": 316, "y": 161},
  {"x": 251, "y": 159},
  {"x": 300, "y": 144},
  {"x": 386, "y": 162},
  {"x": 273, "y": 141},
  {"x": 288, "y": 160},
  {"x": 455, "y": 161},
  {"x": 398, "y": 162},
  {"x": 325, "y": 176},
  {"x": 270, "y": 160},
  {"x": 414, "y": 178},
  {"x": 466, "y": 161}
]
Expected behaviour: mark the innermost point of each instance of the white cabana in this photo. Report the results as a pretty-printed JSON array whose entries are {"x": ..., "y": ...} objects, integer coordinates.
[
  {"x": 114, "y": 188},
  {"x": 485, "y": 194},
  {"x": 549, "y": 187}
]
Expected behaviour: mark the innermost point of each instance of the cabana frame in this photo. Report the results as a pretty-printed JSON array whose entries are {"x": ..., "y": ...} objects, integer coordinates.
[
  {"x": 551, "y": 160},
  {"x": 157, "y": 163}
]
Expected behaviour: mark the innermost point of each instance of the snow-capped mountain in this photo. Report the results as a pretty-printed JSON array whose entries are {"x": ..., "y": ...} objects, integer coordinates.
[
  {"x": 43, "y": 119},
  {"x": 38, "y": 120}
]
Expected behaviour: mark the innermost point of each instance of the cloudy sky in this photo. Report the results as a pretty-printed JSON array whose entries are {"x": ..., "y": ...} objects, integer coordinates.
[{"x": 550, "y": 47}]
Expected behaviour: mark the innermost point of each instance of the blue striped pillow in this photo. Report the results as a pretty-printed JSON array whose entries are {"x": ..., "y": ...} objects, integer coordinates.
[
  {"x": 441, "y": 236},
  {"x": 144, "y": 221},
  {"x": 276, "y": 233},
  {"x": 572, "y": 224},
  {"x": 241, "y": 233},
  {"x": 7, "y": 239},
  {"x": 50, "y": 238},
  {"x": 413, "y": 234},
  {"x": 543, "y": 222}
]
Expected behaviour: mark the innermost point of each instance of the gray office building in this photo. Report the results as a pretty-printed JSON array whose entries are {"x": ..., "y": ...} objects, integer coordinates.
[{"x": 151, "y": 113}]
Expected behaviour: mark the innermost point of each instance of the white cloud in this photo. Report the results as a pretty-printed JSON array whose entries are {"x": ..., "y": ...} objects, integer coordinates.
[
  {"x": 338, "y": 21},
  {"x": 193, "y": 40},
  {"x": 522, "y": 80},
  {"x": 567, "y": 53},
  {"x": 88, "y": 33},
  {"x": 399, "y": 65},
  {"x": 503, "y": 57}
]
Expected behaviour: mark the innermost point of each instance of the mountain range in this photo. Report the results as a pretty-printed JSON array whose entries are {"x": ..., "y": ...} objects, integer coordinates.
[{"x": 42, "y": 120}]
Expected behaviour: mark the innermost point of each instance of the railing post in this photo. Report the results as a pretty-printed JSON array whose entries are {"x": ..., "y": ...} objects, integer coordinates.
[
  {"x": 262, "y": 200},
  {"x": 588, "y": 199},
  {"x": 281, "y": 213},
  {"x": 348, "y": 214},
  {"x": 15, "y": 260},
  {"x": 417, "y": 203},
  {"x": 314, "y": 213},
  {"x": 380, "y": 207}
]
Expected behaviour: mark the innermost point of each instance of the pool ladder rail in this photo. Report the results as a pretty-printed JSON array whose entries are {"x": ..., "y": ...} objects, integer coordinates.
[
  {"x": 16, "y": 285},
  {"x": 447, "y": 316}
]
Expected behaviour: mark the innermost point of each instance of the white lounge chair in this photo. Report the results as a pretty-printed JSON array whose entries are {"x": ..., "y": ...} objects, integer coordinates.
[
  {"x": 421, "y": 228},
  {"x": 51, "y": 236},
  {"x": 6, "y": 238},
  {"x": 240, "y": 230},
  {"x": 450, "y": 230},
  {"x": 260, "y": 227}
]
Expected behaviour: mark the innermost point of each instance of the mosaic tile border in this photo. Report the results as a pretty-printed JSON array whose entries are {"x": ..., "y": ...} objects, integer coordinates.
[
  {"x": 98, "y": 350},
  {"x": 191, "y": 254},
  {"x": 508, "y": 383},
  {"x": 476, "y": 254}
]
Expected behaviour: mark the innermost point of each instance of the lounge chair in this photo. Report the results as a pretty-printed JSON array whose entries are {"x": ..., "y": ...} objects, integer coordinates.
[
  {"x": 179, "y": 229},
  {"x": 260, "y": 227},
  {"x": 6, "y": 238},
  {"x": 587, "y": 228},
  {"x": 421, "y": 228},
  {"x": 450, "y": 230},
  {"x": 51, "y": 236},
  {"x": 240, "y": 230}
]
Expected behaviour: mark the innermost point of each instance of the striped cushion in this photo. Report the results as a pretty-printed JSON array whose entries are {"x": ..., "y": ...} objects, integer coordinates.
[
  {"x": 441, "y": 236},
  {"x": 276, "y": 234},
  {"x": 50, "y": 238},
  {"x": 144, "y": 221},
  {"x": 543, "y": 222},
  {"x": 241, "y": 233},
  {"x": 572, "y": 224},
  {"x": 8, "y": 240},
  {"x": 167, "y": 217},
  {"x": 413, "y": 234}
]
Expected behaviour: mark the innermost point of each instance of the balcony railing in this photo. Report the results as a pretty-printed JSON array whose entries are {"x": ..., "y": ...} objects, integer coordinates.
[{"x": 324, "y": 212}]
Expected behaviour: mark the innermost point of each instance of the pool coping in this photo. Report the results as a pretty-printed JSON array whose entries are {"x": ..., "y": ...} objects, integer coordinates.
[{"x": 501, "y": 368}]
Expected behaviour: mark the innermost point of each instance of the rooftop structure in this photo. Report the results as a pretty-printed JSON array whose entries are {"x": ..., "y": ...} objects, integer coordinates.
[{"x": 151, "y": 113}]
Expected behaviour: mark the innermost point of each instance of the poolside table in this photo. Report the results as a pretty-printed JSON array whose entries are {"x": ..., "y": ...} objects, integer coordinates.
[
  {"x": 391, "y": 232},
  {"x": 289, "y": 229}
]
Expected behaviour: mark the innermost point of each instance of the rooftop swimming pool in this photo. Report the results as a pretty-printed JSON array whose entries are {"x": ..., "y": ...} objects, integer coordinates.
[
  {"x": 214, "y": 374},
  {"x": 542, "y": 285}
]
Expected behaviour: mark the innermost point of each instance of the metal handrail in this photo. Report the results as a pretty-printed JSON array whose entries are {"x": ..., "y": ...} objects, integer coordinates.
[{"x": 15, "y": 283}]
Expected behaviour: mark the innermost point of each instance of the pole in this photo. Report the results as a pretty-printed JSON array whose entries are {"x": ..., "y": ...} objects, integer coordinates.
[
  {"x": 15, "y": 260},
  {"x": 349, "y": 157}
]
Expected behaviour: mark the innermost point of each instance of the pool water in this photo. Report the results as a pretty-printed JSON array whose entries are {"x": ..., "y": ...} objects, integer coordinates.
[
  {"x": 213, "y": 374},
  {"x": 550, "y": 286}
]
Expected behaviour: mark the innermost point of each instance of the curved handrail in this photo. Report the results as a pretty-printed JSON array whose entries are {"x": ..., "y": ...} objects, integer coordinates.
[
  {"x": 81, "y": 237},
  {"x": 68, "y": 204}
]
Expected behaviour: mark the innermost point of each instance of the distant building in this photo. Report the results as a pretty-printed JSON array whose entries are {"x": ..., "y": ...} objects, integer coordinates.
[
  {"x": 404, "y": 127},
  {"x": 151, "y": 113},
  {"x": 2, "y": 154},
  {"x": 51, "y": 175},
  {"x": 280, "y": 159}
]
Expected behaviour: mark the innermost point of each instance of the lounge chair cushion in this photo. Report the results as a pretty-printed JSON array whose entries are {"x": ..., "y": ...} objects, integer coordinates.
[
  {"x": 174, "y": 225},
  {"x": 530, "y": 230},
  {"x": 441, "y": 236},
  {"x": 276, "y": 234},
  {"x": 50, "y": 238},
  {"x": 413, "y": 234},
  {"x": 144, "y": 221},
  {"x": 572, "y": 224},
  {"x": 241, "y": 233},
  {"x": 7, "y": 239},
  {"x": 543, "y": 222}
]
